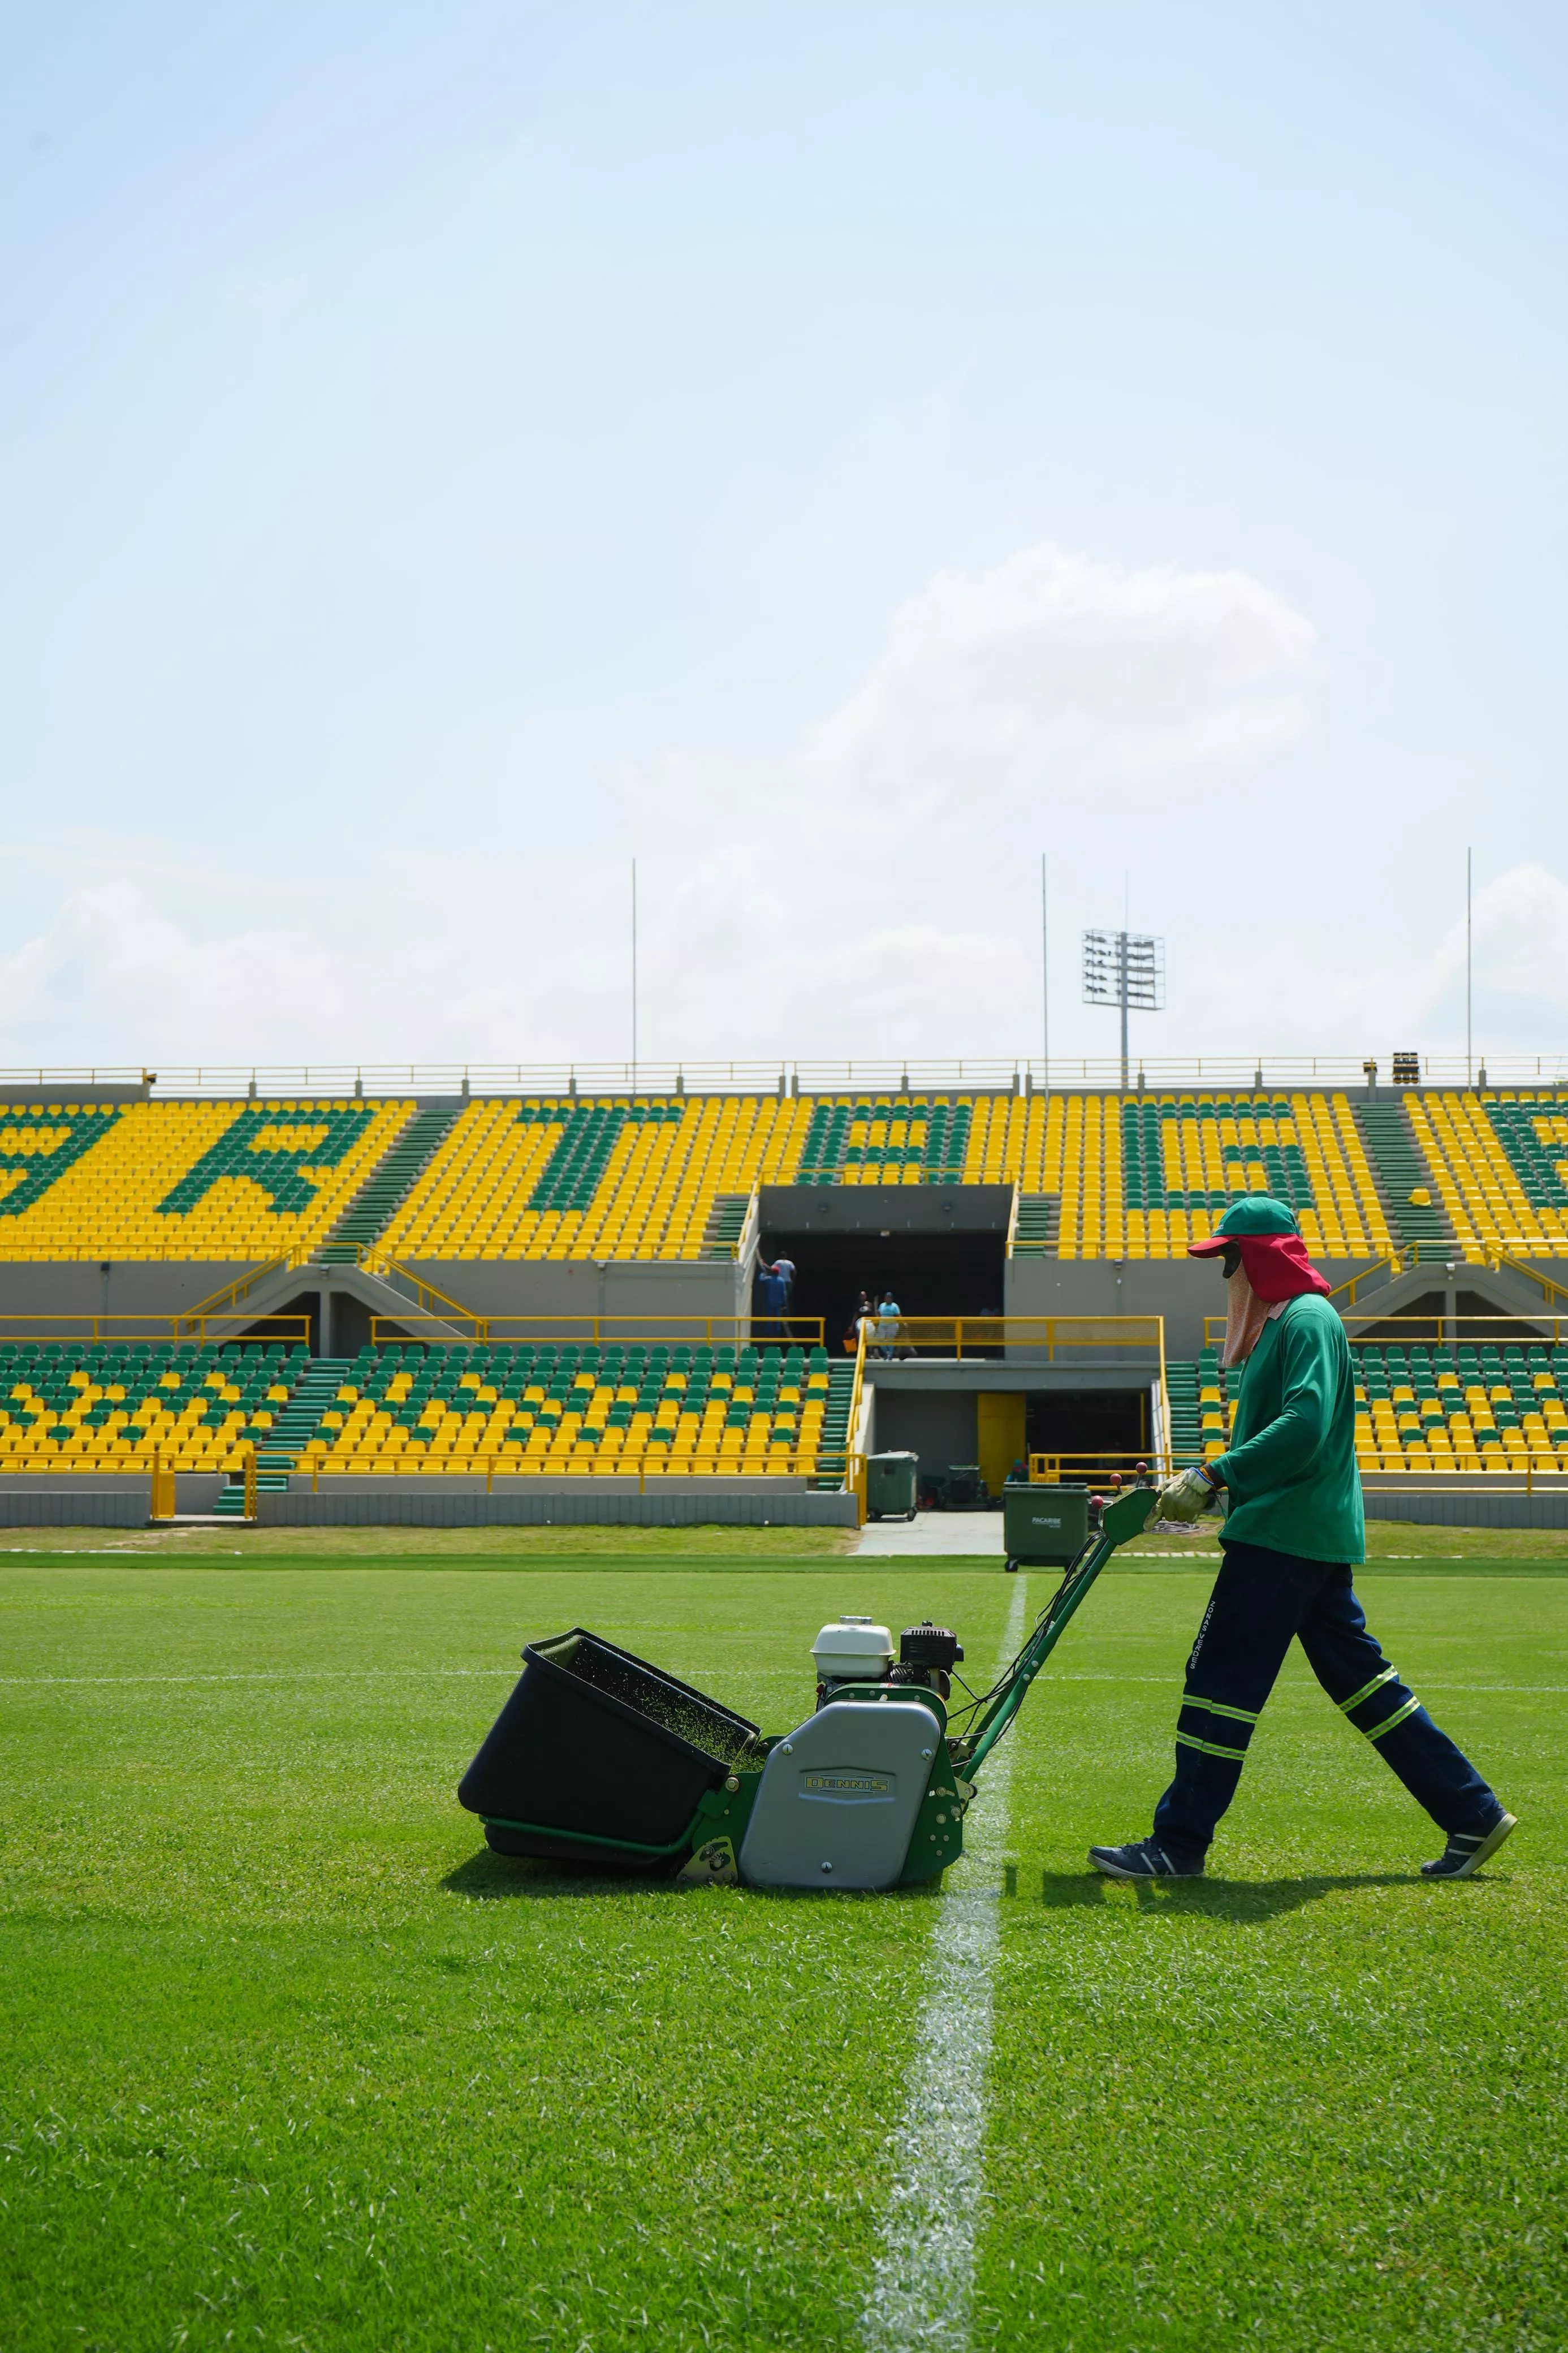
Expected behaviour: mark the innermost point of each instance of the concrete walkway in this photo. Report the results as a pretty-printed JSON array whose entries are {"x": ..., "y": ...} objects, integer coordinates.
[{"x": 932, "y": 1532}]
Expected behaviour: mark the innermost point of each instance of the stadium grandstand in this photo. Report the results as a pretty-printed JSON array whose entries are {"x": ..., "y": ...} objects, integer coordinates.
[{"x": 276, "y": 1293}]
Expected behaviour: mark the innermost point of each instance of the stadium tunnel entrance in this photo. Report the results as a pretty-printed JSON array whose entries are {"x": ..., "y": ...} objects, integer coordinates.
[
  {"x": 930, "y": 1274},
  {"x": 942, "y": 1250}
]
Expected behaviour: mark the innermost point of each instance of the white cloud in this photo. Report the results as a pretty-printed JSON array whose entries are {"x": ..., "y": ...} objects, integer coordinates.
[
  {"x": 1056, "y": 672},
  {"x": 1521, "y": 943}
]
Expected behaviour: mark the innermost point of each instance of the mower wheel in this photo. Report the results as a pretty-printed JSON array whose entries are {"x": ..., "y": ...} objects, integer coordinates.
[
  {"x": 1012, "y": 1568},
  {"x": 909, "y": 1514}
]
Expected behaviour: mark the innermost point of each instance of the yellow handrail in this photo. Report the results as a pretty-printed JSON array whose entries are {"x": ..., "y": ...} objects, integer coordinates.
[
  {"x": 1553, "y": 1292},
  {"x": 229, "y": 1297},
  {"x": 185, "y": 1325},
  {"x": 376, "y": 1261},
  {"x": 1532, "y": 1331},
  {"x": 1047, "y": 1469},
  {"x": 952, "y": 1334},
  {"x": 800, "y": 1331},
  {"x": 857, "y": 1484},
  {"x": 1390, "y": 1264}
]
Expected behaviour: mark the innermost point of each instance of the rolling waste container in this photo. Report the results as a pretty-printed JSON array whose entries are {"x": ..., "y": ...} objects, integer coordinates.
[
  {"x": 599, "y": 1756},
  {"x": 891, "y": 1486},
  {"x": 1043, "y": 1527}
]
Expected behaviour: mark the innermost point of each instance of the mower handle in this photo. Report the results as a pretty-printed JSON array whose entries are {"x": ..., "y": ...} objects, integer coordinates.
[{"x": 1122, "y": 1520}]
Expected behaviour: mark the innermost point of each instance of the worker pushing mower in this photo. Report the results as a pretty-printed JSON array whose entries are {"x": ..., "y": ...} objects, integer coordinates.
[
  {"x": 1293, "y": 1532},
  {"x": 601, "y": 1758}
]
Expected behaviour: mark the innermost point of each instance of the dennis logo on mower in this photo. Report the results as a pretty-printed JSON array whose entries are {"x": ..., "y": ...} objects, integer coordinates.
[{"x": 849, "y": 1788}]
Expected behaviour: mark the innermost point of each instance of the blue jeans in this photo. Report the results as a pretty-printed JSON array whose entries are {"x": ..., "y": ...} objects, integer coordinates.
[{"x": 1260, "y": 1599}]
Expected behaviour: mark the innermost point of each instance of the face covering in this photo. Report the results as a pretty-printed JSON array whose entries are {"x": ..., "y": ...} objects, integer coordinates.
[{"x": 1245, "y": 1317}]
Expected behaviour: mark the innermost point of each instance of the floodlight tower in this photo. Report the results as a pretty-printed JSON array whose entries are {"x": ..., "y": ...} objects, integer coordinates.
[{"x": 1125, "y": 969}]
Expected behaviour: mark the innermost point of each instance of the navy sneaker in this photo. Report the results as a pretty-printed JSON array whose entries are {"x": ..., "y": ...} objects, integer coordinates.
[
  {"x": 1146, "y": 1858},
  {"x": 1465, "y": 1853}
]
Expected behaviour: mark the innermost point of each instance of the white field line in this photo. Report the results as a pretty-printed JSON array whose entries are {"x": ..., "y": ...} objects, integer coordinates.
[
  {"x": 278, "y": 1675},
  {"x": 923, "y": 2284}
]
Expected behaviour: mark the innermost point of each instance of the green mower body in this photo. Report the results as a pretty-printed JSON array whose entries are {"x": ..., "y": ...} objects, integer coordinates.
[{"x": 600, "y": 1759}]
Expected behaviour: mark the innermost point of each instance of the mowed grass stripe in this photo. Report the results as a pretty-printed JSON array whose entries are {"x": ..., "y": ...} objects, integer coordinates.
[
  {"x": 923, "y": 2289},
  {"x": 286, "y": 2055},
  {"x": 1311, "y": 2100}
]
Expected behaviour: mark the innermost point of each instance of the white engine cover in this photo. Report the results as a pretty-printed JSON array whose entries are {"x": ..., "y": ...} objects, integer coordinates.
[{"x": 838, "y": 1797}]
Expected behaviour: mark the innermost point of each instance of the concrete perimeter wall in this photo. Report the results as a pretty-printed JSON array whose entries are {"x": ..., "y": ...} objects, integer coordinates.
[
  {"x": 129, "y": 1287},
  {"x": 195, "y": 1490},
  {"x": 48, "y": 1508},
  {"x": 411, "y": 1503}
]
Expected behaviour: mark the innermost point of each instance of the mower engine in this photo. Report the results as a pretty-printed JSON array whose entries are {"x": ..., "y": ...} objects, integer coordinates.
[
  {"x": 844, "y": 1799},
  {"x": 928, "y": 1656},
  {"x": 855, "y": 1651}
]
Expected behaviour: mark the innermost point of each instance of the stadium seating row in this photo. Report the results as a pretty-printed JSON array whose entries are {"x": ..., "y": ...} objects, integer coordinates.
[
  {"x": 548, "y": 1410},
  {"x": 691, "y": 1410},
  {"x": 1500, "y": 1167},
  {"x": 670, "y": 1177},
  {"x": 1418, "y": 1409},
  {"x": 194, "y": 1407}
]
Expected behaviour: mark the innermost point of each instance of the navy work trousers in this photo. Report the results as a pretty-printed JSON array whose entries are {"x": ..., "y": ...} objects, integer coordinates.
[{"x": 1259, "y": 1601}]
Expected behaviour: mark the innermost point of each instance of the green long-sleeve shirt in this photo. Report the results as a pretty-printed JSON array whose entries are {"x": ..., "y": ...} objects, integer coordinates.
[{"x": 1290, "y": 1468}]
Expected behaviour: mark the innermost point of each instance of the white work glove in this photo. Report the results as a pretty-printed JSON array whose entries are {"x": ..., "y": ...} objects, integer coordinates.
[{"x": 1185, "y": 1497}]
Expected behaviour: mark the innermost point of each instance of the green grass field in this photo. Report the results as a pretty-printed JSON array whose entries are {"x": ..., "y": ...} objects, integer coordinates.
[{"x": 289, "y": 2060}]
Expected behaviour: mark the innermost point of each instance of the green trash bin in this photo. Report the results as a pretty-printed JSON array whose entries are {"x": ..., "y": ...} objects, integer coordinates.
[
  {"x": 1043, "y": 1527},
  {"x": 891, "y": 1486}
]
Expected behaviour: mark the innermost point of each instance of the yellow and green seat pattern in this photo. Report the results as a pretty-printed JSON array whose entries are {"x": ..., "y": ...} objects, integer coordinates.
[
  {"x": 183, "y": 1180},
  {"x": 561, "y": 1409},
  {"x": 1500, "y": 1167},
  {"x": 65, "y": 1406},
  {"x": 667, "y": 1177},
  {"x": 1474, "y": 1408}
]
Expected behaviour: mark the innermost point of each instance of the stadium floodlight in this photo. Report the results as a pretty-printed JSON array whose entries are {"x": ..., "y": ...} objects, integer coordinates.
[{"x": 1126, "y": 969}]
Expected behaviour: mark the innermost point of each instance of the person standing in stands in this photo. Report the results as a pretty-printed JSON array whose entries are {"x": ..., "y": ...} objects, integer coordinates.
[
  {"x": 784, "y": 1269},
  {"x": 772, "y": 1293},
  {"x": 1291, "y": 1537},
  {"x": 864, "y": 1314},
  {"x": 888, "y": 1315}
]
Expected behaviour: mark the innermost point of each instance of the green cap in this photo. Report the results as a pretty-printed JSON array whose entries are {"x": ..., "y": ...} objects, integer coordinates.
[{"x": 1249, "y": 1216}]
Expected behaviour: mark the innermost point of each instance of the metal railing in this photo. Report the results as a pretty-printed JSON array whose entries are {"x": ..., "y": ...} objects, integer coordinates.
[
  {"x": 429, "y": 1300},
  {"x": 712, "y": 1331},
  {"x": 1384, "y": 1269},
  {"x": 1443, "y": 1331},
  {"x": 189, "y": 1324},
  {"x": 1234, "y": 1073},
  {"x": 1504, "y": 1261},
  {"x": 226, "y": 1301},
  {"x": 1048, "y": 1339},
  {"x": 854, "y": 1477},
  {"x": 1048, "y": 1469}
]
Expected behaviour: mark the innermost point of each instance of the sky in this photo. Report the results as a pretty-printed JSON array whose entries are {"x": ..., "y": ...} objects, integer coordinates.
[{"x": 833, "y": 455}]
